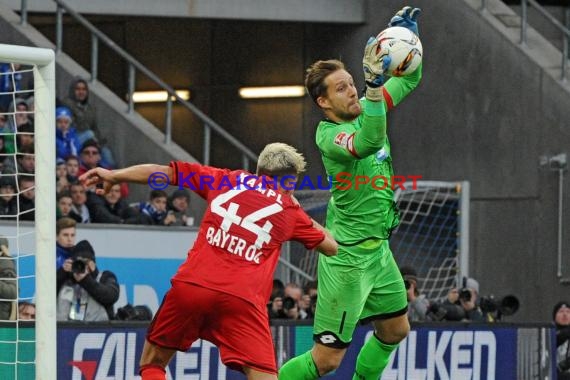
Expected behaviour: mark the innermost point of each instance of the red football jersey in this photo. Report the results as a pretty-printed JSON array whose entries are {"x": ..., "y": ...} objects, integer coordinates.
[{"x": 244, "y": 226}]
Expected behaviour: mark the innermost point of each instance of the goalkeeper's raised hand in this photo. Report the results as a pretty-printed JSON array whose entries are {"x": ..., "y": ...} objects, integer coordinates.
[
  {"x": 407, "y": 18},
  {"x": 374, "y": 63}
]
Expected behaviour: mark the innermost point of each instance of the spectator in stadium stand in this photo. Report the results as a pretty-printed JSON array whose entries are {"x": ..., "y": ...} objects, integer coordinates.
[
  {"x": 13, "y": 79},
  {"x": 310, "y": 288},
  {"x": 275, "y": 306},
  {"x": 84, "y": 293},
  {"x": 61, "y": 179},
  {"x": 305, "y": 307},
  {"x": 64, "y": 203},
  {"x": 19, "y": 115},
  {"x": 65, "y": 229},
  {"x": 85, "y": 116},
  {"x": 178, "y": 206},
  {"x": 25, "y": 136},
  {"x": 5, "y": 154},
  {"x": 72, "y": 167},
  {"x": 25, "y": 161},
  {"x": 112, "y": 208},
  {"x": 78, "y": 206},
  {"x": 310, "y": 294},
  {"x": 66, "y": 140},
  {"x": 26, "y": 311},
  {"x": 31, "y": 108},
  {"x": 27, "y": 197},
  {"x": 90, "y": 156},
  {"x": 561, "y": 317},
  {"x": 84, "y": 112},
  {"x": 8, "y": 199},
  {"x": 154, "y": 210},
  {"x": 4, "y": 126},
  {"x": 8, "y": 283}
]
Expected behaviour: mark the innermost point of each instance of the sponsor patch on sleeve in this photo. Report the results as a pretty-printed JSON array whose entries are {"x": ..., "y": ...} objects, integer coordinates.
[{"x": 341, "y": 139}]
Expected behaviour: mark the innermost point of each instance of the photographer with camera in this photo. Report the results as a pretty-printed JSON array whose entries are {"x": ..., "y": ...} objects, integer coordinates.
[
  {"x": 468, "y": 300},
  {"x": 461, "y": 304},
  {"x": 418, "y": 304},
  {"x": 561, "y": 316},
  {"x": 291, "y": 308},
  {"x": 83, "y": 292}
]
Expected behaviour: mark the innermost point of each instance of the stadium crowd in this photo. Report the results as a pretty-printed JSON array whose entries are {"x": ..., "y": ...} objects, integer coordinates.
[{"x": 79, "y": 147}]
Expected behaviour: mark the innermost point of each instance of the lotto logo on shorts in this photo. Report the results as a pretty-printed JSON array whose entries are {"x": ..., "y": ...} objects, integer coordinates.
[{"x": 327, "y": 339}]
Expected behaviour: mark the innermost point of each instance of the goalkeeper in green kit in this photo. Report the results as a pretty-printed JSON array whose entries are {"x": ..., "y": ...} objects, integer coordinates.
[{"x": 362, "y": 283}]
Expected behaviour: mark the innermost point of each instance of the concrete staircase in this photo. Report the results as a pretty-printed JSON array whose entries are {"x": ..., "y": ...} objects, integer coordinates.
[{"x": 544, "y": 40}]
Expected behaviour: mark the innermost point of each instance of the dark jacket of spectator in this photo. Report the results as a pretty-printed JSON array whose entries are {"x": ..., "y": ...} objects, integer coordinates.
[
  {"x": 84, "y": 112},
  {"x": 8, "y": 203},
  {"x": 562, "y": 323},
  {"x": 26, "y": 208},
  {"x": 61, "y": 254},
  {"x": 66, "y": 145},
  {"x": 102, "y": 211}
]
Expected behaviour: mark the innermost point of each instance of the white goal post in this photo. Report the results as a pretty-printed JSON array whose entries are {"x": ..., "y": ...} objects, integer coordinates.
[{"x": 43, "y": 62}]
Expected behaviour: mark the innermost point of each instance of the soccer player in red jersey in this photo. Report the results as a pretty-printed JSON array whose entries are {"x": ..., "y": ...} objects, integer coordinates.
[{"x": 220, "y": 292}]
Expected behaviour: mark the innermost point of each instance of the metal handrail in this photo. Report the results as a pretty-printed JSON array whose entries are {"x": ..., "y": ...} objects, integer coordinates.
[
  {"x": 97, "y": 35},
  {"x": 564, "y": 29}
]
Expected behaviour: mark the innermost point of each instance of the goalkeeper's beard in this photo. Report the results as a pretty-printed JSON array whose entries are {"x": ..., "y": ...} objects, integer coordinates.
[{"x": 352, "y": 112}]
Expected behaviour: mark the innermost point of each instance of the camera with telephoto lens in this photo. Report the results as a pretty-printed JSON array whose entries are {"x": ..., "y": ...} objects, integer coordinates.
[
  {"x": 500, "y": 307},
  {"x": 79, "y": 265},
  {"x": 288, "y": 303},
  {"x": 465, "y": 295},
  {"x": 134, "y": 313}
]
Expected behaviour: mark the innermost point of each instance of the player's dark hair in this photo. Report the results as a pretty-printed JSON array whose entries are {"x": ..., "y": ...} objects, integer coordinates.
[{"x": 316, "y": 75}]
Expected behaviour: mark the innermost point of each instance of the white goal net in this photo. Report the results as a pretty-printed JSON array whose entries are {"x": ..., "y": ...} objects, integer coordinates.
[
  {"x": 432, "y": 237},
  {"x": 27, "y": 213}
]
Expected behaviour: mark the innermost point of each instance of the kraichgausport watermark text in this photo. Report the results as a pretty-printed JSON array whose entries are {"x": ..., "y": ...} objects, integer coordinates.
[{"x": 341, "y": 181}]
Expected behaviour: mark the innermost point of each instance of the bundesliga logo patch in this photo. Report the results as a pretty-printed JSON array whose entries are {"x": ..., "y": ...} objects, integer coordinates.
[{"x": 341, "y": 139}]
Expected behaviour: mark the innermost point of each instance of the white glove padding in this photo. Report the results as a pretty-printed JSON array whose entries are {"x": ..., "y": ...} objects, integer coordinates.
[{"x": 374, "y": 63}]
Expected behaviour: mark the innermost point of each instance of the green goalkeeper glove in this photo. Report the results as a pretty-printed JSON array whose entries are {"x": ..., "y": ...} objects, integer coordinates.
[{"x": 374, "y": 63}]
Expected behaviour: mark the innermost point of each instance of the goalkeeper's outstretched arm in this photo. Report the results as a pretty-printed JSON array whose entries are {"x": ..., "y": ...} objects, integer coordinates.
[
  {"x": 397, "y": 88},
  {"x": 135, "y": 174}
]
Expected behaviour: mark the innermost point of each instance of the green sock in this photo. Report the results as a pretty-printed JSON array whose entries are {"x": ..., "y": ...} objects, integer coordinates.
[
  {"x": 372, "y": 359},
  {"x": 301, "y": 367}
]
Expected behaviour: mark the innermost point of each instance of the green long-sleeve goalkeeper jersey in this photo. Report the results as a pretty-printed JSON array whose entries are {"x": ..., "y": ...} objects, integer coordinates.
[{"x": 356, "y": 152}]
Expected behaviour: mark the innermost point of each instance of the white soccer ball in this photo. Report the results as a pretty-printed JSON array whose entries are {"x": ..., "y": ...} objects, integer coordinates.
[{"x": 405, "y": 49}]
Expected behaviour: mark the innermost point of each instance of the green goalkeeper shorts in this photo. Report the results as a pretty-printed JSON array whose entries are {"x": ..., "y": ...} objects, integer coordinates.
[{"x": 357, "y": 285}]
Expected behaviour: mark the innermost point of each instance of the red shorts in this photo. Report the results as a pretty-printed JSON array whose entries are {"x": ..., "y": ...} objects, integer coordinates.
[{"x": 239, "y": 330}]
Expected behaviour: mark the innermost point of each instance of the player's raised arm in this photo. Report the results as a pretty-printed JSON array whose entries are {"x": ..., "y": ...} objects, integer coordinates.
[
  {"x": 135, "y": 174},
  {"x": 372, "y": 136},
  {"x": 397, "y": 88}
]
